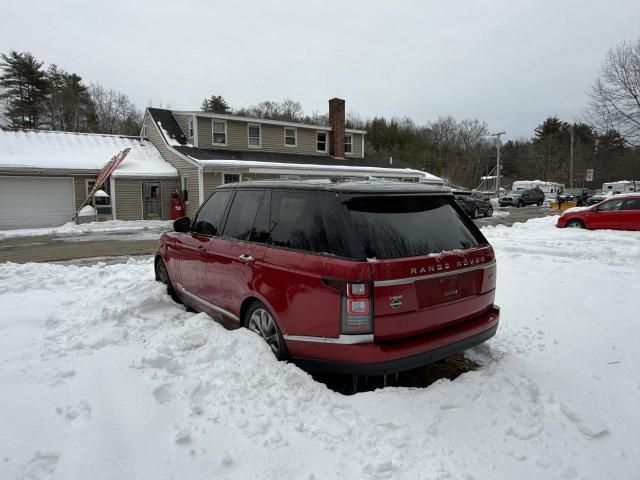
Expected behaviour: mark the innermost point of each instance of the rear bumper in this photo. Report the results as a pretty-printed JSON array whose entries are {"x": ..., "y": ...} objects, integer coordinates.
[{"x": 396, "y": 356}]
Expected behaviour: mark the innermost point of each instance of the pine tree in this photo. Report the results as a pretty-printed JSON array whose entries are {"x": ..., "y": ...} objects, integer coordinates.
[
  {"x": 69, "y": 107},
  {"x": 24, "y": 87},
  {"x": 215, "y": 104}
]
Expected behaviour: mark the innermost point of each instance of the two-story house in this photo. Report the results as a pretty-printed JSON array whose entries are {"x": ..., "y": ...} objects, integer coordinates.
[{"x": 209, "y": 149}]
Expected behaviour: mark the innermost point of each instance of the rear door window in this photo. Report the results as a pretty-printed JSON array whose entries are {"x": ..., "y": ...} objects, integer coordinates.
[
  {"x": 243, "y": 213},
  {"x": 209, "y": 218},
  {"x": 632, "y": 204},
  {"x": 395, "y": 226},
  {"x": 296, "y": 221}
]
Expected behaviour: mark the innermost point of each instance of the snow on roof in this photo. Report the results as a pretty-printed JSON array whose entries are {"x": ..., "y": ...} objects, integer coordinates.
[
  {"x": 170, "y": 140},
  {"x": 80, "y": 151}
]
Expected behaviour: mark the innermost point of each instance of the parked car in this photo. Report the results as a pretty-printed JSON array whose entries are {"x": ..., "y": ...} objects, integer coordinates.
[
  {"x": 619, "y": 212},
  {"x": 522, "y": 198},
  {"x": 474, "y": 203},
  {"x": 575, "y": 195},
  {"x": 361, "y": 277},
  {"x": 598, "y": 197}
]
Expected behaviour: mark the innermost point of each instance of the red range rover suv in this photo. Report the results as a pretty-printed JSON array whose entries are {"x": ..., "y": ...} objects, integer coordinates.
[{"x": 358, "y": 277}]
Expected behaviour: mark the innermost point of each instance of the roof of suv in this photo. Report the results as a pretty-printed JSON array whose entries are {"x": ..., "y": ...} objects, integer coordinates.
[{"x": 355, "y": 186}]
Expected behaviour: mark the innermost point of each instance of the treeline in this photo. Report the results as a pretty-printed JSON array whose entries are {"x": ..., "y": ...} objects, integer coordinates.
[
  {"x": 463, "y": 151},
  {"x": 548, "y": 155},
  {"x": 35, "y": 97}
]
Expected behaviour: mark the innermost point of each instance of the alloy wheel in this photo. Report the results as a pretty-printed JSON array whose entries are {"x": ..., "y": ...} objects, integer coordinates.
[{"x": 262, "y": 323}]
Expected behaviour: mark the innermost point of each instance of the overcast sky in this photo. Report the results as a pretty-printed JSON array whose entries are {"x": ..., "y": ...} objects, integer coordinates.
[{"x": 509, "y": 63}]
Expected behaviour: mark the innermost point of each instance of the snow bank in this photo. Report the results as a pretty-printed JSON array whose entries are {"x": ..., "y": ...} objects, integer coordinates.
[
  {"x": 70, "y": 228},
  {"x": 104, "y": 377}
]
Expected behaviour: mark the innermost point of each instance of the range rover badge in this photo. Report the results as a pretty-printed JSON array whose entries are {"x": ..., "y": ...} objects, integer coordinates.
[{"x": 395, "y": 302}]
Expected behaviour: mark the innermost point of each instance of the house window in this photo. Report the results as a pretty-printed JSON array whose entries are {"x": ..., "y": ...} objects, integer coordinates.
[
  {"x": 184, "y": 188},
  {"x": 348, "y": 143},
  {"x": 98, "y": 200},
  {"x": 290, "y": 139},
  {"x": 219, "y": 128},
  {"x": 231, "y": 178},
  {"x": 191, "y": 128},
  {"x": 321, "y": 141},
  {"x": 255, "y": 140}
]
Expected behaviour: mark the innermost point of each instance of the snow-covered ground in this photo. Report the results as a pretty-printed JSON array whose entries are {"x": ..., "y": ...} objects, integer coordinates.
[
  {"x": 102, "y": 376},
  {"x": 71, "y": 229}
]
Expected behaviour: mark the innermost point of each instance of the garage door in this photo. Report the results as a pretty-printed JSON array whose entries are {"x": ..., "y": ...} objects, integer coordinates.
[{"x": 35, "y": 202}]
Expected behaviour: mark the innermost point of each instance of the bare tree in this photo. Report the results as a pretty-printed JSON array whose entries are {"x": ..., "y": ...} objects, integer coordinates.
[
  {"x": 615, "y": 96},
  {"x": 114, "y": 112}
]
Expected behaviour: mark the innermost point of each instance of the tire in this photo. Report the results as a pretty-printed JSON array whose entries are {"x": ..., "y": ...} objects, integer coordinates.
[
  {"x": 519, "y": 204},
  {"x": 489, "y": 212},
  {"x": 475, "y": 213},
  {"x": 539, "y": 204},
  {"x": 162, "y": 276},
  {"x": 260, "y": 320},
  {"x": 575, "y": 224}
]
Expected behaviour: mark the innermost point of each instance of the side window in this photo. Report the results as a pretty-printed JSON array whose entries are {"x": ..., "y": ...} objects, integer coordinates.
[
  {"x": 210, "y": 215},
  {"x": 632, "y": 204},
  {"x": 611, "y": 205},
  {"x": 242, "y": 214},
  {"x": 296, "y": 221}
]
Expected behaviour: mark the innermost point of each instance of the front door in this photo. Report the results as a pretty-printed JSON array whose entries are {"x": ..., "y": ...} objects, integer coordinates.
[
  {"x": 151, "y": 203},
  {"x": 608, "y": 214},
  {"x": 234, "y": 261},
  {"x": 194, "y": 245}
]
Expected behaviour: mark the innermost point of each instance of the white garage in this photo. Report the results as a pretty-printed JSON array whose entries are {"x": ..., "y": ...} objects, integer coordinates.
[{"x": 35, "y": 201}]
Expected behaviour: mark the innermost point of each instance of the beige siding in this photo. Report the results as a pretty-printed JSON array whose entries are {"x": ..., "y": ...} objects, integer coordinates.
[
  {"x": 236, "y": 135},
  {"x": 185, "y": 168},
  {"x": 183, "y": 123},
  {"x": 272, "y": 138},
  {"x": 129, "y": 197},
  {"x": 79, "y": 183},
  {"x": 357, "y": 145},
  {"x": 211, "y": 181}
]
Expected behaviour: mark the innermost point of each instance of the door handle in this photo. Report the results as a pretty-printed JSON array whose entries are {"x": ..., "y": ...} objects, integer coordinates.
[{"x": 246, "y": 258}]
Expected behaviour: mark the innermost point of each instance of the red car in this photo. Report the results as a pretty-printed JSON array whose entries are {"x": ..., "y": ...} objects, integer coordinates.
[
  {"x": 618, "y": 212},
  {"x": 361, "y": 277}
]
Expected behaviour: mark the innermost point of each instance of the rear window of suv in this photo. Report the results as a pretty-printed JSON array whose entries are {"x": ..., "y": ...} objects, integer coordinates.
[{"x": 394, "y": 226}]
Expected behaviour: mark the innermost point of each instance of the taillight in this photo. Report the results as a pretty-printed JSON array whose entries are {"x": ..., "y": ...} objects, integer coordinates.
[{"x": 356, "y": 313}]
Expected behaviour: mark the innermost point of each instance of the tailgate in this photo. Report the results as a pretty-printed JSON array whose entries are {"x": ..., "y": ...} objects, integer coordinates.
[{"x": 418, "y": 294}]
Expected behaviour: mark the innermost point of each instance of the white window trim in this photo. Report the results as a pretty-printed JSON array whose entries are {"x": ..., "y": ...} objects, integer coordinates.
[
  {"x": 326, "y": 142},
  {"x": 86, "y": 185},
  {"x": 249, "y": 125},
  {"x": 231, "y": 173},
  {"x": 226, "y": 138},
  {"x": 295, "y": 137},
  {"x": 86, "y": 189},
  {"x": 345, "y": 144},
  {"x": 191, "y": 131}
]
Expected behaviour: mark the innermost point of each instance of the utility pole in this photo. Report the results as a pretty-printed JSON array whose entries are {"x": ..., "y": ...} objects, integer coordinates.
[
  {"x": 571, "y": 159},
  {"x": 498, "y": 169}
]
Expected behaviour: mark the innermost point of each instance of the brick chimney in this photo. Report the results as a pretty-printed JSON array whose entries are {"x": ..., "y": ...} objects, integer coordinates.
[{"x": 337, "y": 122}]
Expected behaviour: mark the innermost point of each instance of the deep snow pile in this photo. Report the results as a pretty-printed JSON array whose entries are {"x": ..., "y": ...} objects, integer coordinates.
[
  {"x": 104, "y": 377},
  {"x": 70, "y": 228}
]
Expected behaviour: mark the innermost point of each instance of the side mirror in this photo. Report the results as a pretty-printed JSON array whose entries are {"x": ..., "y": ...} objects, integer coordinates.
[{"x": 182, "y": 225}]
